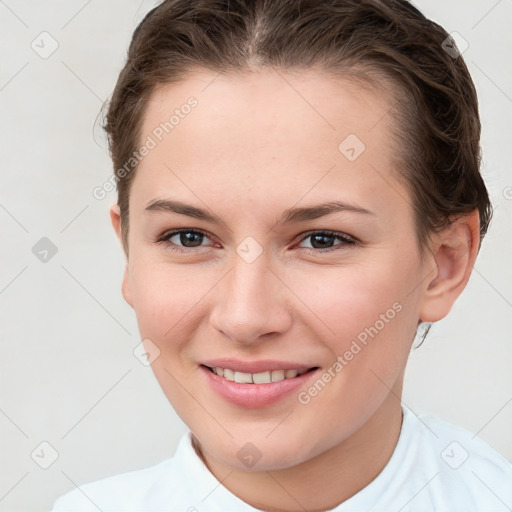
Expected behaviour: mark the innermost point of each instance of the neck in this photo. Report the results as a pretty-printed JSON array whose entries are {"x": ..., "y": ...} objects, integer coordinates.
[{"x": 326, "y": 480}]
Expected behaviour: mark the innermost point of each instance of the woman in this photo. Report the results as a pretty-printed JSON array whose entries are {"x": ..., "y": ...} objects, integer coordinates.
[{"x": 298, "y": 192}]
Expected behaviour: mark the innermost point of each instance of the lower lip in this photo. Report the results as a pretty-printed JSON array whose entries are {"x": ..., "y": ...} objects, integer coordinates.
[{"x": 252, "y": 396}]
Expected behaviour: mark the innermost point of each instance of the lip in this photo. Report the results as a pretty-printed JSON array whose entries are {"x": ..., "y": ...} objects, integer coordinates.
[
  {"x": 255, "y": 366},
  {"x": 254, "y": 396}
]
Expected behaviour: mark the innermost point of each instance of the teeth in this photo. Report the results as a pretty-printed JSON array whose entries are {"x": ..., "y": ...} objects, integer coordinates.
[
  {"x": 261, "y": 378},
  {"x": 244, "y": 378},
  {"x": 277, "y": 375},
  {"x": 229, "y": 374},
  {"x": 257, "y": 378}
]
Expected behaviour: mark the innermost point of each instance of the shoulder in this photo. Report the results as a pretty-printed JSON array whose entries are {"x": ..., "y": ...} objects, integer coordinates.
[
  {"x": 463, "y": 467},
  {"x": 125, "y": 491}
]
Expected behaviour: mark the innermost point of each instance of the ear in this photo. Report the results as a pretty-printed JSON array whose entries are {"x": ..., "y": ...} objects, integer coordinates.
[
  {"x": 115, "y": 218},
  {"x": 454, "y": 252}
]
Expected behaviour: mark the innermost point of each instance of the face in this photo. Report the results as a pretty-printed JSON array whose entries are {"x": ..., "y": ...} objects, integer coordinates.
[{"x": 234, "y": 262}]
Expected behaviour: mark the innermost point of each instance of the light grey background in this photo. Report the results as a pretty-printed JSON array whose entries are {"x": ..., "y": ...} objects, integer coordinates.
[{"x": 68, "y": 374}]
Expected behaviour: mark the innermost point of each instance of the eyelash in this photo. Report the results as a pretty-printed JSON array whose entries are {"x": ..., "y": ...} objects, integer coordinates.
[{"x": 345, "y": 239}]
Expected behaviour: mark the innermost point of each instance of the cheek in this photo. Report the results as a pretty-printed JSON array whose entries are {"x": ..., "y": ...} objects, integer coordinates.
[
  {"x": 163, "y": 296},
  {"x": 371, "y": 321},
  {"x": 370, "y": 315}
]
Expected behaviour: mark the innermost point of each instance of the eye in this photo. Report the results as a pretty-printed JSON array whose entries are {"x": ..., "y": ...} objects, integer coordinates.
[
  {"x": 183, "y": 239},
  {"x": 323, "y": 241}
]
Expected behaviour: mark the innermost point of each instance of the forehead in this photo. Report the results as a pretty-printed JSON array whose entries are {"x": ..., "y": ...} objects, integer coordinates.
[
  {"x": 257, "y": 132},
  {"x": 271, "y": 106}
]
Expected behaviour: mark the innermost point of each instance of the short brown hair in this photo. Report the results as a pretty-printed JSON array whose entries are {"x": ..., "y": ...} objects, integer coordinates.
[{"x": 437, "y": 115}]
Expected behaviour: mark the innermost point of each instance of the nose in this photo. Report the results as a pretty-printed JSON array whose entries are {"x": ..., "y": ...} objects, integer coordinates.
[{"x": 252, "y": 303}]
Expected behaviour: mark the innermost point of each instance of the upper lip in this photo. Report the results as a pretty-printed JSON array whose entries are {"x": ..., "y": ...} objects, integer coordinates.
[{"x": 255, "y": 366}]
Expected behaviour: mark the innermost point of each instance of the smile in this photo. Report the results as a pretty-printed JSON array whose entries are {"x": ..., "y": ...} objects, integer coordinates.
[
  {"x": 256, "y": 378},
  {"x": 258, "y": 388}
]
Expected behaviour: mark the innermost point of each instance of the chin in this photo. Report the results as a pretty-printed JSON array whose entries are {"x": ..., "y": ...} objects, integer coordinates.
[{"x": 247, "y": 453}]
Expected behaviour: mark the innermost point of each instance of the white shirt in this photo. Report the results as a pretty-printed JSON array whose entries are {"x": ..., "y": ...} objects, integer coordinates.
[{"x": 435, "y": 467}]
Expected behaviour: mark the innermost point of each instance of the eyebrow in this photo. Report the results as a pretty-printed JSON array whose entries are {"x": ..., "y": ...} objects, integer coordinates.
[{"x": 290, "y": 215}]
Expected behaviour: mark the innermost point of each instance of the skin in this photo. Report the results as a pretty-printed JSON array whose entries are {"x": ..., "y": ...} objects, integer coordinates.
[{"x": 252, "y": 148}]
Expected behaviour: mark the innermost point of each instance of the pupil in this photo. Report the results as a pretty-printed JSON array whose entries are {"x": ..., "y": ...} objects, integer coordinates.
[
  {"x": 188, "y": 237},
  {"x": 322, "y": 237}
]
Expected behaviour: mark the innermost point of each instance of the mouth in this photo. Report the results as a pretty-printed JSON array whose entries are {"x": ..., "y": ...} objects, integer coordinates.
[
  {"x": 267, "y": 384},
  {"x": 256, "y": 390},
  {"x": 264, "y": 377}
]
